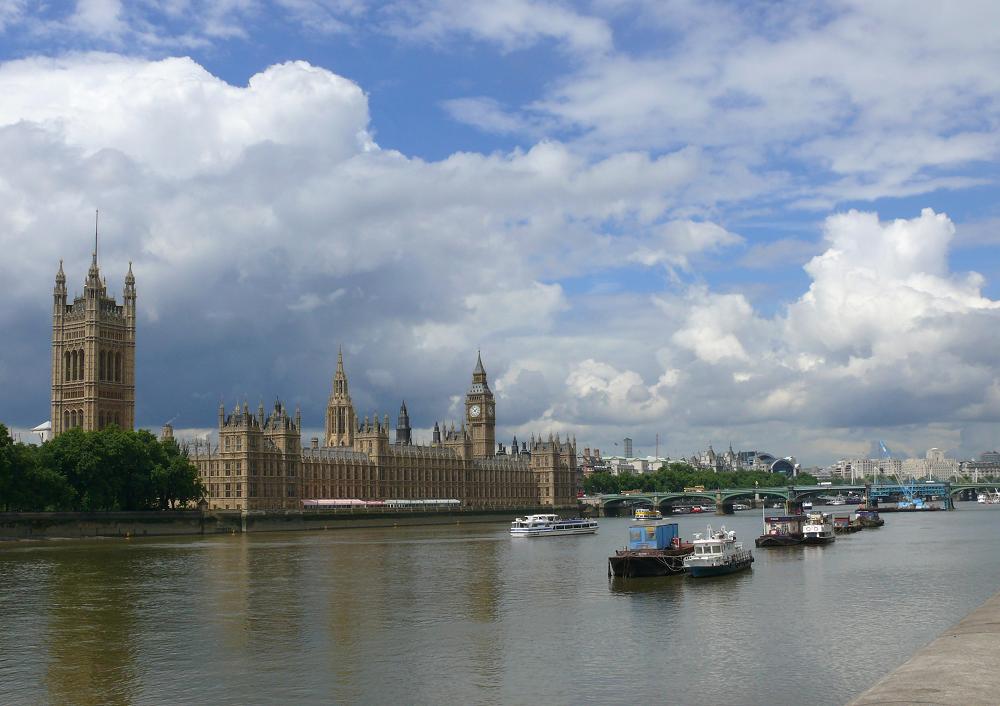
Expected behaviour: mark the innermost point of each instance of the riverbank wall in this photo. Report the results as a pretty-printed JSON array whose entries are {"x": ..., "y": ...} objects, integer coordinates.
[
  {"x": 962, "y": 666},
  {"x": 80, "y": 525}
]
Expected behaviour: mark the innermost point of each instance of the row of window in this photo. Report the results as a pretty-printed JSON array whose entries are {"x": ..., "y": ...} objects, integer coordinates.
[{"x": 109, "y": 366}]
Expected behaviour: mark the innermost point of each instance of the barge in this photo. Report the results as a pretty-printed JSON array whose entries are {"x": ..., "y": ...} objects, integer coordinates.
[{"x": 653, "y": 550}]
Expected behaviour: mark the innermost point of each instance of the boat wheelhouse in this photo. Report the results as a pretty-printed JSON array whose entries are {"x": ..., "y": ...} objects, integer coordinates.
[
  {"x": 550, "y": 526},
  {"x": 818, "y": 528},
  {"x": 716, "y": 554}
]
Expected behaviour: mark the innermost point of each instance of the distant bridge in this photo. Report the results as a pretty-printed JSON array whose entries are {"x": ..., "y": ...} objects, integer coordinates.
[{"x": 724, "y": 498}]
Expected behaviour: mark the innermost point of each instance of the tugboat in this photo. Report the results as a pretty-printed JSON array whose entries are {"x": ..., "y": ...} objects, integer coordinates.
[
  {"x": 550, "y": 526},
  {"x": 717, "y": 554},
  {"x": 782, "y": 531},
  {"x": 818, "y": 528},
  {"x": 653, "y": 550}
]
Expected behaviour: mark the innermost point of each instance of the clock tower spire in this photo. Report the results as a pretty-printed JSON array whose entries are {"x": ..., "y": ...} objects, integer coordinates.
[{"x": 480, "y": 413}]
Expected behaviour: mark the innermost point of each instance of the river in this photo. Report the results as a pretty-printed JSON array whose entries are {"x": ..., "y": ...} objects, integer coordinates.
[{"x": 463, "y": 614}]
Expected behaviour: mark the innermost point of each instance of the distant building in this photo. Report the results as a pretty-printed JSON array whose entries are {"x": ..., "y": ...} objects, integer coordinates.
[
  {"x": 744, "y": 461},
  {"x": 628, "y": 447},
  {"x": 990, "y": 457}
]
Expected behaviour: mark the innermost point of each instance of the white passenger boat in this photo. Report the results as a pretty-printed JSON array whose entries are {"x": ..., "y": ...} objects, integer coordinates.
[
  {"x": 550, "y": 526},
  {"x": 818, "y": 528},
  {"x": 989, "y": 498},
  {"x": 716, "y": 554}
]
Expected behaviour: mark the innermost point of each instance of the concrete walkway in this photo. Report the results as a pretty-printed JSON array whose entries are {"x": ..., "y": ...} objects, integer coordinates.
[{"x": 961, "y": 667}]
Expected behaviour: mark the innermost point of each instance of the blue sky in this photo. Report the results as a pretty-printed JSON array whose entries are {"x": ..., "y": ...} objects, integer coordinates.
[{"x": 703, "y": 220}]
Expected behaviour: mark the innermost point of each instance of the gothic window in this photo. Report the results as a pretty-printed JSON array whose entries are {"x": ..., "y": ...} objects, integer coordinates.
[
  {"x": 66, "y": 422},
  {"x": 66, "y": 366},
  {"x": 81, "y": 365},
  {"x": 118, "y": 367},
  {"x": 100, "y": 365},
  {"x": 79, "y": 417}
]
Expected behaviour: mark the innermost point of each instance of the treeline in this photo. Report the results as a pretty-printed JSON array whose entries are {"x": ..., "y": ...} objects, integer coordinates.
[
  {"x": 675, "y": 477},
  {"x": 111, "y": 469}
]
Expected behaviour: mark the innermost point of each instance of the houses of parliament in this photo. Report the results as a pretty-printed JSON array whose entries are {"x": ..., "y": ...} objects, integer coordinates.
[{"x": 260, "y": 462}]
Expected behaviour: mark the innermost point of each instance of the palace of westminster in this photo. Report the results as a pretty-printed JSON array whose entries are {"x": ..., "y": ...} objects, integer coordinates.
[{"x": 259, "y": 462}]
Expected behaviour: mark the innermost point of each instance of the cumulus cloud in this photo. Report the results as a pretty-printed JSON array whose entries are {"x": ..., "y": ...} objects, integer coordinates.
[{"x": 267, "y": 226}]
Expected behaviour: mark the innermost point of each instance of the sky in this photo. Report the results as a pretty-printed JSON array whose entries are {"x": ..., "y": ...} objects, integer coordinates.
[{"x": 771, "y": 225}]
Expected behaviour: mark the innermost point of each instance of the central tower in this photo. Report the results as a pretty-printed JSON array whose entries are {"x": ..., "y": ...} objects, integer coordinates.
[
  {"x": 340, "y": 419},
  {"x": 480, "y": 413}
]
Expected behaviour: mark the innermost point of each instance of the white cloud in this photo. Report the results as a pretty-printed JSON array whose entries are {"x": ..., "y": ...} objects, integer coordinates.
[
  {"x": 512, "y": 24},
  {"x": 173, "y": 117}
]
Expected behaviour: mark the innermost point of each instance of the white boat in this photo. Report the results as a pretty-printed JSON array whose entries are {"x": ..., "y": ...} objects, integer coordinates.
[
  {"x": 807, "y": 505},
  {"x": 989, "y": 498},
  {"x": 716, "y": 554},
  {"x": 550, "y": 526},
  {"x": 818, "y": 528},
  {"x": 839, "y": 500}
]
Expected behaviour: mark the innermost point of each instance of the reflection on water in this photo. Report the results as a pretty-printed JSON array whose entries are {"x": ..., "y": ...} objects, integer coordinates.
[
  {"x": 454, "y": 614},
  {"x": 89, "y": 630}
]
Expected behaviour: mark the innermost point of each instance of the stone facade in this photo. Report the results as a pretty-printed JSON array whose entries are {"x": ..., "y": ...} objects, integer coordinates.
[
  {"x": 93, "y": 355},
  {"x": 259, "y": 462}
]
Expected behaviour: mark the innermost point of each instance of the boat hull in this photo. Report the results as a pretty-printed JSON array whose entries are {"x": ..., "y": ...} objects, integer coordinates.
[
  {"x": 546, "y": 532},
  {"x": 871, "y": 524},
  {"x": 818, "y": 539},
  {"x": 647, "y": 562},
  {"x": 699, "y": 572},
  {"x": 779, "y": 540}
]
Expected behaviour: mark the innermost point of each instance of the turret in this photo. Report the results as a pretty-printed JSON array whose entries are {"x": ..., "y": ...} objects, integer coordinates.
[{"x": 403, "y": 432}]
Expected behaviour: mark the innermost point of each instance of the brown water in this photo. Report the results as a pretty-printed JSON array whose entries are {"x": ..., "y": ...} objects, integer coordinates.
[{"x": 464, "y": 614}]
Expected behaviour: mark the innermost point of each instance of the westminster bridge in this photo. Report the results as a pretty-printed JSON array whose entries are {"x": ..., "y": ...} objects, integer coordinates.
[{"x": 724, "y": 498}]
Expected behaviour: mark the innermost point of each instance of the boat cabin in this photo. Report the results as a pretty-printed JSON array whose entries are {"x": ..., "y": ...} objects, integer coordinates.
[
  {"x": 658, "y": 536},
  {"x": 783, "y": 525}
]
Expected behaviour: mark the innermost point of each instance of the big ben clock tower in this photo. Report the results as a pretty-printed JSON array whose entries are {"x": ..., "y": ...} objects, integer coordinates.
[{"x": 480, "y": 413}]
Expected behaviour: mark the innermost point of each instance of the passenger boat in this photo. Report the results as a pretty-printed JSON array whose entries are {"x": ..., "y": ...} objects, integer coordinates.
[
  {"x": 645, "y": 513},
  {"x": 807, "y": 505},
  {"x": 838, "y": 500},
  {"x": 782, "y": 531},
  {"x": 653, "y": 550},
  {"x": 988, "y": 498},
  {"x": 868, "y": 518},
  {"x": 717, "y": 554},
  {"x": 550, "y": 526},
  {"x": 818, "y": 528}
]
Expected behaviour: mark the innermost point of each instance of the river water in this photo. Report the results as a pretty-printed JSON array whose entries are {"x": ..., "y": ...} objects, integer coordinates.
[{"x": 463, "y": 614}]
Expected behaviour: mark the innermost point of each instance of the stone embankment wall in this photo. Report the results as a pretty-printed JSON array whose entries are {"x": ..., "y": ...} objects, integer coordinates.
[{"x": 78, "y": 525}]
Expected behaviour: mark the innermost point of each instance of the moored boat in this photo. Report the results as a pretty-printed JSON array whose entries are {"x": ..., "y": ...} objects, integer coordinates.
[
  {"x": 716, "y": 554},
  {"x": 550, "y": 526},
  {"x": 653, "y": 550},
  {"x": 842, "y": 524},
  {"x": 818, "y": 528},
  {"x": 868, "y": 518},
  {"x": 645, "y": 513},
  {"x": 782, "y": 531}
]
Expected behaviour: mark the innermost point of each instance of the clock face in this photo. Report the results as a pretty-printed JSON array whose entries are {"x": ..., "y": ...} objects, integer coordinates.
[{"x": 474, "y": 411}]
